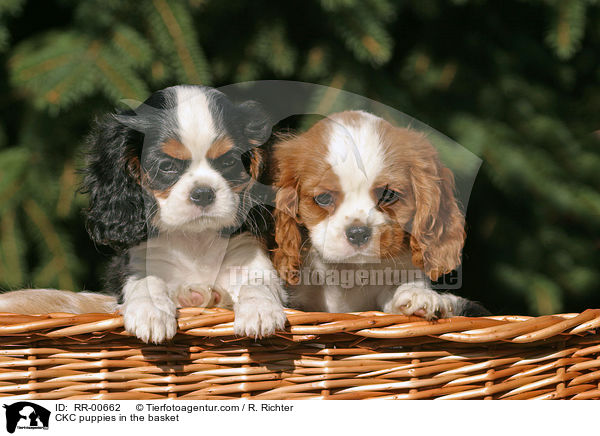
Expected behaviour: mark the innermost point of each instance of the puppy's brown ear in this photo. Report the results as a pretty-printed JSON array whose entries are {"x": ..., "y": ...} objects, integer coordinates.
[
  {"x": 287, "y": 233},
  {"x": 437, "y": 235},
  {"x": 256, "y": 163}
]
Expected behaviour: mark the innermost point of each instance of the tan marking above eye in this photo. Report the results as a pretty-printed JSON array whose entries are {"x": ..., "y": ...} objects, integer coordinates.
[
  {"x": 176, "y": 149},
  {"x": 219, "y": 147}
]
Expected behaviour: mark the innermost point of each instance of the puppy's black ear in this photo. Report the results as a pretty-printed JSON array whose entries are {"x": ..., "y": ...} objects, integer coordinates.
[
  {"x": 116, "y": 215},
  {"x": 257, "y": 124}
]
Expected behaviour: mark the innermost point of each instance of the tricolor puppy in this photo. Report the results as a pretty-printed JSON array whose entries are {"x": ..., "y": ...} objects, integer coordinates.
[
  {"x": 168, "y": 184},
  {"x": 358, "y": 197}
]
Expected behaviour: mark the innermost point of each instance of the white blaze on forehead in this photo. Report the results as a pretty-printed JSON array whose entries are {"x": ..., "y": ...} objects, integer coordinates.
[
  {"x": 197, "y": 129},
  {"x": 354, "y": 151}
]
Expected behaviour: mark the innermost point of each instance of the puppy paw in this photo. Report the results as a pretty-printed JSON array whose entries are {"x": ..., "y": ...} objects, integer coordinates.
[
  {"x": 149, "y": 321},
  {"x": 422, "y": 302},
  {"x": 193, "y": 296},
  {"x": 258, "y": 317},
  {"x": 203, "y": 296}
]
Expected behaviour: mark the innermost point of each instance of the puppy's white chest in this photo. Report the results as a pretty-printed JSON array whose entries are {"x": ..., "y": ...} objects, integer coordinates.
[{"x": 180, "y": 258}]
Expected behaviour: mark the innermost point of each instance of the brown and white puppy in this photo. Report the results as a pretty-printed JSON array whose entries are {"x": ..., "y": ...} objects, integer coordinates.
[{"x": 361, "y": 198}]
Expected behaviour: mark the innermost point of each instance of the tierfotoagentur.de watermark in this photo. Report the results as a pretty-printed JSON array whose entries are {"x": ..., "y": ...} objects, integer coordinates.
[{"x": 346, "y": 278}]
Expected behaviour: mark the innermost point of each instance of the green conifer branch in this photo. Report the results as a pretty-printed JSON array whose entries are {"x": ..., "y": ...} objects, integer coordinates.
[{"x": 172, "y": 29}]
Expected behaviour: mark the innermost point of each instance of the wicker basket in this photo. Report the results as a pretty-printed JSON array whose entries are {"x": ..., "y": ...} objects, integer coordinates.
[{"x": 319, "y": 356}]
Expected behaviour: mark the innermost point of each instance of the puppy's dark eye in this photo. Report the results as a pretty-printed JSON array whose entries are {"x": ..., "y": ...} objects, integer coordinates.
[
  {"x": 168, "y": 166},
  {"x": 227, "y": 160},
  {"x": 386, "y": 195},
  {"x": 325, "y": 199}
]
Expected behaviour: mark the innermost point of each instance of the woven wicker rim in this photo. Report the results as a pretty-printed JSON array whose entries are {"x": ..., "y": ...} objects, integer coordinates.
[{"x": 306, "y": 326}]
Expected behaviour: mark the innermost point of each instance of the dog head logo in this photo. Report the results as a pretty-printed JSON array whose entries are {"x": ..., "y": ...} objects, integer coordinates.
[{"x": 24, "y": 414}]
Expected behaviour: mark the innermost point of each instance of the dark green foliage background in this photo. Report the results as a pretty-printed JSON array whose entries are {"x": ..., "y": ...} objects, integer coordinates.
[{"x": 516, "y": 82}]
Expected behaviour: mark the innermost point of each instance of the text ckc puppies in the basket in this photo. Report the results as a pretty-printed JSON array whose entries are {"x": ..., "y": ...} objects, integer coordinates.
[{"x": 356, "y": 193}]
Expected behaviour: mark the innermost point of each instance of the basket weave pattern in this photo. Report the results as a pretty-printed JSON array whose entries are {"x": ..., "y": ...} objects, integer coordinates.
[{"x": 318, "y": 356}]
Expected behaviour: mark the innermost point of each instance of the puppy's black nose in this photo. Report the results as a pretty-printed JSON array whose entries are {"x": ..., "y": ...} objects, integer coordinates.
[
  {"x": 358, "y": 235},
  {"x": 203, "y": 196}
]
